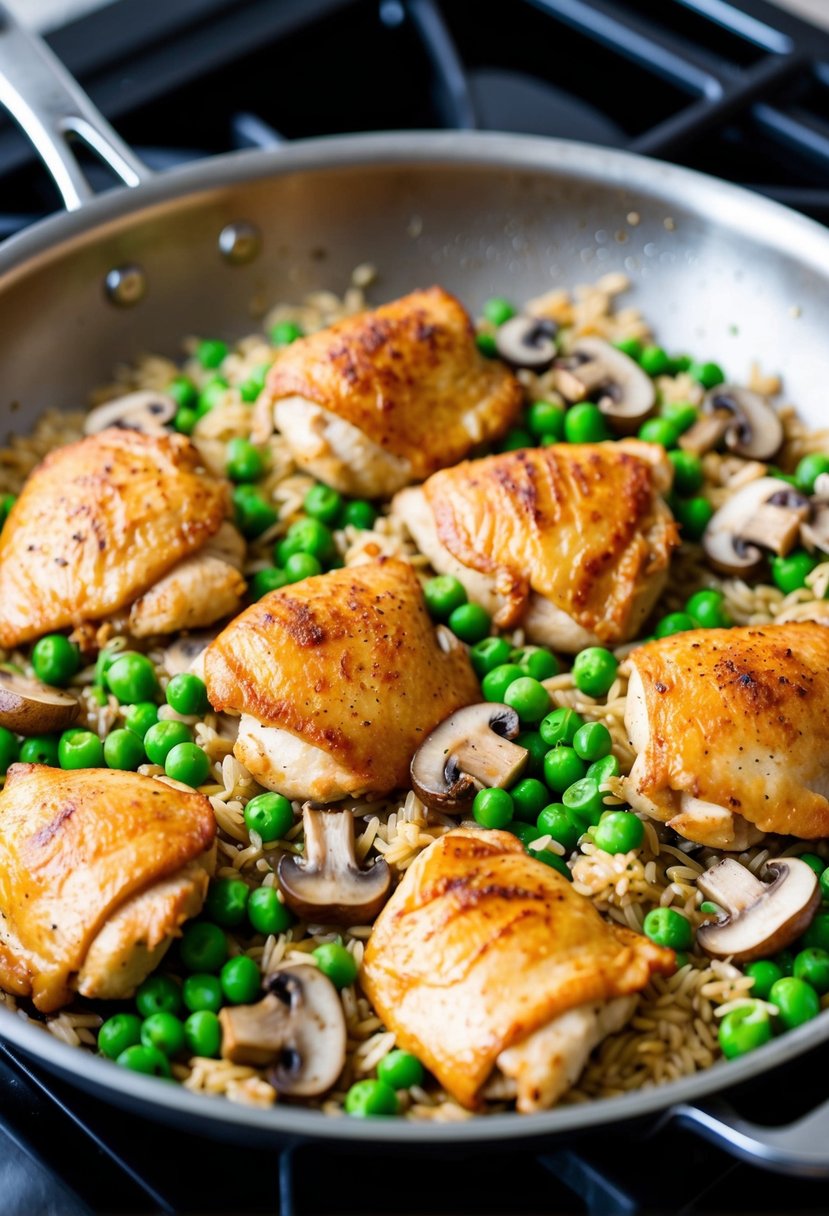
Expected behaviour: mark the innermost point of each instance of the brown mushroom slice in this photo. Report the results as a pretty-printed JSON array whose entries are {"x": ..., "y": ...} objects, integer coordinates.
[
  {"x": 29, "y": 707},
  {"x": 814, "y": 533},
  {"x": 468, "y": 752},
  {"x": 746, "y": 422},
  {"x": 141, "y": 411},
  {"x": 762, "y": 918},
  {"x": 765, "y": 514},
  {"x": 327, "y": 885},
  {"x": 528, "y": 342},
  {"x": 298, "y": 1028},
  {"x": 596, "y": 371}
]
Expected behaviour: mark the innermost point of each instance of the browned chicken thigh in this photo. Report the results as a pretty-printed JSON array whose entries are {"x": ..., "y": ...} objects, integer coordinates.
[
  {"x": 338, "y": 680},
  {"x": 386, "y": 397},
  {"x": 98, "y": 869},
  {"x": 572, "y": 542},
  {"x": 102, "y": 520},
  {"x": 731, "y": 727},
  {"x": 490, "y": 968}
]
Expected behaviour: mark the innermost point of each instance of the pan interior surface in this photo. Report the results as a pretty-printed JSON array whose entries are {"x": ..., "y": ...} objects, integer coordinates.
[{"x": 717, "y": 271}]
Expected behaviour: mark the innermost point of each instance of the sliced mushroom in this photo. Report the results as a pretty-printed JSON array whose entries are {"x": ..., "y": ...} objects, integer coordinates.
[
  {"x": 298, "y": 1028},
  {"x": 765, "y": 514},
  {"x": 596, "y": 371},
  {"x": 327, "y": 885},
  {"x": 31, "y": 708},
  {"x": 815, "y": 531},
  {"x": 762, "y": 918},
  {"x": 142, "y": 411},
  {"x": 182, "y": 654},
  {"x": 469, "y": 751},
  {"x": 527, "y": 342},
  {"x": 746, "y": 422}
]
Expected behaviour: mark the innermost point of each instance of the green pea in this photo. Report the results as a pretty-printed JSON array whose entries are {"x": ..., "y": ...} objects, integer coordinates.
[
  {"x": 359, "y": 514},
  {"x": 203, "y": 1034},
  {"x": 631, "y": 347},
  {"x": 660, "y": 430},
  {"x": 809, "y": 468},
  {"x": 537, "y": 662},
  {"x": 693, "y": 516},
  {"x": 529, "y": 796},
  {"x": 681, "y": 413},
  {"x": 41, "y": 749},
  {"x": 563, "y": 768},
  {"x": 148, "y": 1060},
  {"x": 688, "y": 475},
  {"x": 185, "y": 420},
  {"x": 55, "y": 659},
  {"x": 553, "y": 860},
  {"x": 546, "y": 420},
  {"x": 815, "y": 863},
  {"x": 744, "y": 1029},
  {"x": 584, "y": 800},
  {"x": 470, "y": 622},
  {"x": 560, "y": 726},
  {"x": 250, "y": 389},
  {"x": 594, "y": 671},
  {"x": 187, "y": 763},
  {"x": 10, "y": 750},
  {"x": 163, "y": 736},
  {"x": 240, "y": 979},
  {"x": 670, "y": 928},
  {"x": 443, "y": 595},
  {"x": 187, "y": 694},
  {"x": 300, "y": 566},
  {"x": 706, "y": 609},
  {"x": 285, "y": 332},
  {"x": 123, "y": 750},
  {"x": 211, "y": 353},
  {"x": 368, "y": 1098},
  {"x": 674, "y": 622},
  {"x": 400, "y": 1070},
  {"x": 526, "y": 832},
  {"x": 202, "y": 992},
  {"x": 496, "y": 682},
  {"x": 132, "y": 678},
  {"x": 709, "y": 375},
  {"x": 244, "y": 461},
  {"x": 252, "y": 514},
  {"x": 655, "y": 361},
  {"x": 681, "y": 363},
  {"x": 227, "y": 900},
  {"x": 212, "y": 393},
  {"x": 602, "y": 770},
  {"x": 164, "y": 1032},
  {"x": 790, "y": 573},
  {"x": 488, "y": 654},
  {"x": 306, "y": 536},
  {"x": 337, "y": 963},
  {"x": 322, "y": 503},
  {"x": 158, "y": 994},
  {"x": 592, "y": 741},
  {"x": 796, "y": 1001},
  {"x": 619, "y": 832},
  {"x": 765, "y": 974},
  {"x": 270, "y": 815},
  {"x": 515, "y": 440},
  {"x": 529, "y": 698},
  {"x": 498, "y": 310},
  {"x": 560, "y": 823},
  {"x": 7, "y": 501},
  {"x": 537, "y": 749},
  {"x": 140, "y": 717},
  {"x": 267, "y": 580},
  {"x": 183, "y": 391},
  {"x": 117, "y": 1033},
  {"x": 585, "y": 423},
  {"x": 785, "y": 960},
  {"x": 267, "y": 914},
  {"x": 812, "y": 965},
  {"x": 80, "y": 749},
  {"x": 203, "y": 946},
  {"x": 493, "y": 808},
  {"x": 710, "y": 909},
  {"x": 824, "y": 877}
]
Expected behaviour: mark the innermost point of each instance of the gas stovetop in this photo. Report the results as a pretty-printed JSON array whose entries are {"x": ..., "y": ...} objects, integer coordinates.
[{"x": 737, "y": 89}]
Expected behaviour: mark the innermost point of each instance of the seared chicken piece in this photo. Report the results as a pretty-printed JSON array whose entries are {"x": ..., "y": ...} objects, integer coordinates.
[
  {"x": 97, "y": 524},
  {"x": 731, "y": 730},
  {"x": 482, "y": 956},
  {"x": 571, "y": 542},
  {"x": 387, "y": 397},
  {"x": 98, "y": 870},
  {"x": 197, "y": 591},
  {"x": 338, "y": 680}
]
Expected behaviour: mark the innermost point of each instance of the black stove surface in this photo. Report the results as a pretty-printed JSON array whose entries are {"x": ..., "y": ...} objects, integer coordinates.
[{"x": 737, "y": 89}]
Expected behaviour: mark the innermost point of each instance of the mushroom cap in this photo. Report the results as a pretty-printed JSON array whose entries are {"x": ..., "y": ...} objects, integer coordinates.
[
  {"x": 815, "y": 531},
  {"x": 30, "y": 707},
  {"x": 327, "y": 885},
  {"x": 144, "y": 411},
  {"x": 755, "y": 431},
  {"x": 721, "y": 539},
  {"x": 467, "y": 752},
  {"x": 528, "y": 342},
  {"x": 601, "y": 373},
  {"x": 763, "y": 917}
]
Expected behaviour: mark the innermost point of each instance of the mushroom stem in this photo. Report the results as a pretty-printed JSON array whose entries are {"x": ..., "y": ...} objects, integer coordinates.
[
  {"x": 762, "y": 918},
  {"x": 731, "y": 885},
  {"x": 327, "y": 885},
  {"x": 706, "y": 433}
]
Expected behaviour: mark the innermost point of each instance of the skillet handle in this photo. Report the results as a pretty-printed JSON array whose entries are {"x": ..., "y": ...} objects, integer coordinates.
[
  {"x": 51, "y": 107},
  {"x": 800, "y": 1148}
]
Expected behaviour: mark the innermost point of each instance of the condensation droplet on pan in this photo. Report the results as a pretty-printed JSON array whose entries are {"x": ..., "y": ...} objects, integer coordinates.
[
  {"x": 650, "y": 250},
  {"x": 600, "y": 237},
  {"x": 587, "y": 255},
  {"x": 633, "y": 218},
  {"x": 631, "y": 263},
  {"x": 667, "y": 257},
  {"x": 125, "y": 286},
  {"x": 795, "y": 311},
  {"x": 602, "y": 255},
  {"x": 669, "y": 223},
  {"x": 620, "y": 237}
]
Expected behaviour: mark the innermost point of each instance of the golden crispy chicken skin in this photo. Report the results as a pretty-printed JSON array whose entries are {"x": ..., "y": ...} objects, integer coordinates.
[
  {"x": 387, "y": 397},
  {"x": 347, "y": 668},
  {"x": 481, "y": 946},
  {"x": 571, "y": 541},
  {"x": 731, "y": 727},
  {"x": 97, "y": 523},
  {"x": 98, "y": 869}
]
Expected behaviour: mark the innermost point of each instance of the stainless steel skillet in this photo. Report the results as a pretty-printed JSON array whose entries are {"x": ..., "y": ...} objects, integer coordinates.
[{"x": 205, "y": 249}]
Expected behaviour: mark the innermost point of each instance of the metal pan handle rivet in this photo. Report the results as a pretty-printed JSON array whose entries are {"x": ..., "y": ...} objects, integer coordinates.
[
  {"x": 240, "y": 243},
  {"x": 126, "y": 285}
]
